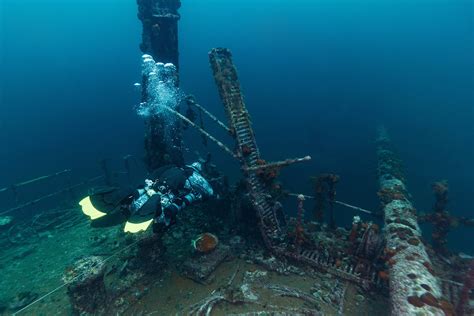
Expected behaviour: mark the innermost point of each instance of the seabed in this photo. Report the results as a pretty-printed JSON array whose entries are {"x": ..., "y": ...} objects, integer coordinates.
[
  {"x": 35, "y": 268},
  {"x": 262, "y": 261}
]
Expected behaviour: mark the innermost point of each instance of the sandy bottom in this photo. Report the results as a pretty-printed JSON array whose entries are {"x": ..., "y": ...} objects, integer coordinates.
[{"x": 38, "y": 268}]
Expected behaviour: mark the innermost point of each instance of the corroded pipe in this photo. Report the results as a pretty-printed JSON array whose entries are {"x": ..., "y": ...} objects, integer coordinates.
[{"x": 414, "y": 289}]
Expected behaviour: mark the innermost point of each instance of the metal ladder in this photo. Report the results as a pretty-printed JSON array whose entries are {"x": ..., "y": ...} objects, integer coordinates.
[{"x": 228, "y": 85}]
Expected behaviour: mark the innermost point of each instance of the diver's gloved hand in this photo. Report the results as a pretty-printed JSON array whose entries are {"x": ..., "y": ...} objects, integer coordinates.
[{"x": 170, "y": 212}]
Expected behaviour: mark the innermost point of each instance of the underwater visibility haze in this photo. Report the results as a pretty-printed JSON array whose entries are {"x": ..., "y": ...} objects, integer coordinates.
[{"x": 305, "y": 157}]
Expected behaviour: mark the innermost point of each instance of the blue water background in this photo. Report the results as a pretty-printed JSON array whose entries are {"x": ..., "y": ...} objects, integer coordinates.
[{"x": 318, "y": 76}]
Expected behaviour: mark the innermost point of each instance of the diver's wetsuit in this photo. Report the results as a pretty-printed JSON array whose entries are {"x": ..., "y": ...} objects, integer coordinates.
[
  {"x": 167, "y": 191},
  {"x": 178, "y": 187}
]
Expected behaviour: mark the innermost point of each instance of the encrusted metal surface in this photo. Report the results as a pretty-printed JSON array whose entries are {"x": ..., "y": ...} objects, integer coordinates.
[{"x": 225, "y": 75}]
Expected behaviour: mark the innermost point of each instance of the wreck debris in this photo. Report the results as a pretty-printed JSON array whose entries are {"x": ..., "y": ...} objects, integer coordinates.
[
  {"x": 273, "y": 310},
  {"x": 31, "y": 231},
  {"x": 224, "y": 294},
  {"x": 342, "y": 298},
  {"x": 371, "y": 244},
  {"x": 85, "y": 275},
  {"x": 463, "y": 307},
  {"x": 356, "y": 223},
  {"x": 441, "y": 219},
  {"x": 22, "y": 234},
  {"x": 55, "y": 219},
  {"x": 5, "y": 221},
  {"x": 150, "y": 253},
  {"x": 325, "y": 192},
  {"x": 245, "y": 294},
  {"x": 225, "y": 75},
  {"x": 292, "y": 292},
  {"x": 200, "y": 267},
  {"x": 205, "y": 242},
  {"x": 299, "y": 230},
  {"x": 403, "y": 235},
  {"x": 86, "y": 289},
  {"x": 204, "y": 308},
  {"x": 160, "y": 40}
]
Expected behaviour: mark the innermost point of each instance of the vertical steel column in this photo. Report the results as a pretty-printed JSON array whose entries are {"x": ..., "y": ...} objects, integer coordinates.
[{"x": 160, "y": 40}]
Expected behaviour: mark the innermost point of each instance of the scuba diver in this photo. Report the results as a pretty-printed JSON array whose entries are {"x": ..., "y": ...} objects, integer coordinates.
[{"x": 166, "y": 192}]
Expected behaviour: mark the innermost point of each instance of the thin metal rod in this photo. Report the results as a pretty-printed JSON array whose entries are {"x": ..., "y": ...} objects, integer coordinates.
[
  {"x": 34, "y": 180},
  {"x": 354, "y": 207},
  {"x": 212, "y": 138},
  {"x": 48, "y": 196},
  {"x": 211, "y": 116},
  {"x": 337, "y": 202},
  {"x": 282, "y": 163}
]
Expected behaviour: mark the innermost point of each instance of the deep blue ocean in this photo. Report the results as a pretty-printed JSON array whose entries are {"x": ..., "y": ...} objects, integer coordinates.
[{"x": 318, "y": 76}]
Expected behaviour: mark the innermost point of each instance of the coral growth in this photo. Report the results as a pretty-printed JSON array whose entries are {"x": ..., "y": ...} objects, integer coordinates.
[
  {"x": 268, "y": 174},
  {"x": 5, "y": 221},
  {"x": 86, "y": 287}
]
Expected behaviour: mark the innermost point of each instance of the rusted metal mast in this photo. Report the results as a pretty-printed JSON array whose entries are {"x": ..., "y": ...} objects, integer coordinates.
[
  {"x": 414, "y": 289},
  {"x": 160, "y": 40},
  {"x": 160, "y": 29}
]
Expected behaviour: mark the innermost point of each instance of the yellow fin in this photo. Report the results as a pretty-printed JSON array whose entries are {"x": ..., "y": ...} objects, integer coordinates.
[
  {"x": 89, "y": 209},
  {"x": 136, "y": 227}
]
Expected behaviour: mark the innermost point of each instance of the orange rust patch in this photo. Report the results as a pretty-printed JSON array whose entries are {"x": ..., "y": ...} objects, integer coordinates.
[
  {"x": 429, "y": 299},
  {"x": 415, "y": 301},
  {"x": 447, "y": 308},
  {"x": 414, "y": 241},
  {"x": 384, "y": 275}
]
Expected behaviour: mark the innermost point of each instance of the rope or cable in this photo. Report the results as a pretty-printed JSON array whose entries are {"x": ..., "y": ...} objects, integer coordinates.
[
  {"x": 74, "y": 279},
  {"x": 34, "y": 180},
  {"x": 212, "y": 117},
  {"x": 360, "y": 209},
  {"x": 212, "y": 138},
  {"x": 354, "y": 207},
  {"x": 49, "y": 195}
]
